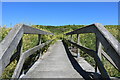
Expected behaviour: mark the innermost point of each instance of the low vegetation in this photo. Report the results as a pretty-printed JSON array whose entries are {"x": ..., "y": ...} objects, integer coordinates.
[{"x": 88, "y": 40}]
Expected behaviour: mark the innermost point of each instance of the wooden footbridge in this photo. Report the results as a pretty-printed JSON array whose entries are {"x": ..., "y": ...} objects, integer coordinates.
[{"x": 59, "y": 61}]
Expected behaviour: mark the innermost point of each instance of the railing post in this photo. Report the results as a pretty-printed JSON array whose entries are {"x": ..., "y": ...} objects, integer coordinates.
[
  {"x": 78, "y": 41},
  {"x": 39, "y": 42},
  {"x": 99, "y": 51}
]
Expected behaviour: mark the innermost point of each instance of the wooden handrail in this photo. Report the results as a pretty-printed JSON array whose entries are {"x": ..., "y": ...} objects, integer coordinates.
[
  {"x": 6, "y": 46},
  {"x": 93, "y": 54},
  {"x": 24, "y": 56},
  {"x": 11, "y": 41},
  {"x": 110, "y": 44},
  {"x": 31, "y": 30},
  {"x": 100, "y": 31},
  {"x": 108, "y": 58}
]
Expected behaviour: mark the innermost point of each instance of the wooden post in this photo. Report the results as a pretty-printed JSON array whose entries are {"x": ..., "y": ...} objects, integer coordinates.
[
  {"x": 39, "y": 42},
  {"x": 78, "y": 41},
  {"x": 18, "y": 53},
  {"x": 39, "y": 39},
  {"x": 99, "y": 51}
]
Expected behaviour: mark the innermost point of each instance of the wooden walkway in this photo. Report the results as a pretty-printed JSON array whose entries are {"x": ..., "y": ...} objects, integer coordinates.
[
  {"x": 59, "y": 61},
  {"x": 56, "y": 64}
]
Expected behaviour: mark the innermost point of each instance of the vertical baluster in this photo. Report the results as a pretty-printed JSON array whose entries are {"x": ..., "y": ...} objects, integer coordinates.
[
  {"x": 78, "y": 41},
  {"x": 99, "y": 51},
  {"x": 39, "y": 42}
]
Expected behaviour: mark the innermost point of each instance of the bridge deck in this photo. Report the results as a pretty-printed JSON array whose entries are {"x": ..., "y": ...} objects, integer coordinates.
[{"x": 55, "y": 64}]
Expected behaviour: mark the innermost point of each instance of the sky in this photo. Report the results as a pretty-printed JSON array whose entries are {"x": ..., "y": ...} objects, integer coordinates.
[
  {"x": 60, "y": 0},
  {"x": 59, "y": 13}
]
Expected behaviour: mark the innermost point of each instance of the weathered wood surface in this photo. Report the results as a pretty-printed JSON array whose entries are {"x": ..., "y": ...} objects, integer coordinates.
[
  {"x": 39, "y": 42},
  {"x": 86, "y": 50},
  {"x": 98, "y": 51},
  {"x": 109, "y": 59},
  {"x": 78, "y": 41},
  {"x": 55, "y": 65},
  {"x": 16, "y": 55},
  {"x": 24, "y": 56},
  {"x": 10, "y": 42},
  {"x": 31, "y": 30},
  {"x": 93, "y": 54},
  {"x": 8, "y": 45},
  {"x": 111, "y": 45},
  {"x": 87, "y": 29},
  {"x": 85, "y": 65}
]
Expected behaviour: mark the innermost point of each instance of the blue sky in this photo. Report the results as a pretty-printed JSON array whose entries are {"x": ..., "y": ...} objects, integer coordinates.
[
  {"x": 60, "y": 0},
  {"x": 59, "y": 13}
]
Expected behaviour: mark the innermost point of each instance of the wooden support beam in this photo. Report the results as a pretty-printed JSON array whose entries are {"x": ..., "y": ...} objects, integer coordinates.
[
  {"x": 93, "y": 54},
  {"x": 109, "y": 59},
  {"x": 31, "y": 30},
  {"x": 24, "y": 56},
  {"x": 108, "y": 41},
  {"x": 78, "y": 41},
  {"x": 111, "y": 46},
  {"x": 39, "y": 42},
  {"x": 86, "y": 50},
  {"x": 18, "y": 53},
  {"x": 11, "y": 42},
  {"x": 98, "y": 51},
  {"x": 87, "y": 29},
  {"x": 8, "y": 46}
]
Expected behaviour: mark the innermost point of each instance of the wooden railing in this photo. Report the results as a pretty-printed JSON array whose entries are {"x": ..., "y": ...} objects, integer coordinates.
[
  {"x": 103, "y": 38},
  {"x": 13, "y": 41}
]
